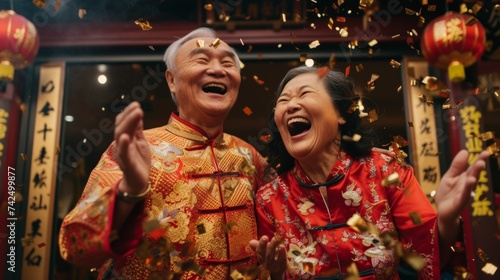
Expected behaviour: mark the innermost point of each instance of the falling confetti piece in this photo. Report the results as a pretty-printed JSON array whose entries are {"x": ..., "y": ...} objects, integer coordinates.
[
  {"x": 372, "y": 43},
  {"x": 27, "y": 241},
  {"x": 410, "y": 124},
  {"x": 482, "y": 255},
  {"x": 414, "y": 260},
  {"x": 392, "y": 179},
  {"x": 144, "y": 24},
  {"x": 426, "y": 99},
  {"x": 40, "y": 3},
  {"x": 257, "y": 80},
  {"x": 303, "y": 57},
  {"x": 494, "y": 149},
  {"x": 347, "y": 70},
  {"x": 241, "y": 41},
  {"x": 359, "y": 68},
  {"x": 431, "y": 8},
  {"x": 314, "y": 44},
  {"x": 489, "y": 268},
  {"x": 400, "y": 88},
  {"x": 341, "y": 19},
  {"x": 283, "y": 17},
  {"x": 461, "y": 273},
  {"x": 82, "y": 13},
  {"x": 208, "y": 7},
  {"x": 200, "y": 43},
  {"x": 372, "y": 115},
  {"x": 215, "y": 43},
  {"x": 421, "y": 22},
  {"x": 247, "y": 111},
  {"x": 410, "y": 12},
  {"x": 330, "y": 23},
  {"x": 41, "y": 245},
  {"x": 354, "y": 138},
  {"x": 331, "y": 62},
  {"x": 343, "y": 32},
  {"x": 415, "y": 218},
  {"x": 151, "y": 47},
  {"x": 322, "y": 71},
  {"x": 395, "y": 64},
  {"x": 357, "y": 223}
]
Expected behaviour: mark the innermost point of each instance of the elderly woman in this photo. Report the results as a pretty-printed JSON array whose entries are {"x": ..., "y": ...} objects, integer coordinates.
[{"x": 328, "y": 176}]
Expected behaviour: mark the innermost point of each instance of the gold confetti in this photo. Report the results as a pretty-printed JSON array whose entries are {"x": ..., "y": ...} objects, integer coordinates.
[
  {"x": 488, "y": 135},
  {"x": 400, "y": 88},
  {"x": 355, "y": 138},
  {"x": 461, "y": 273},
  {"x": 410, "y": 124},
  {"x": 215, "y": 43},
  {"x": 414, "y": 260},
  {"x": 372, "y": 115},
  {"x": 482, "y": 255},
  {"x": 359, "y": 68},
  {"x": 395, "y": 36},
  {"x": 308, "y": 266},
  {"x": 494, "y": 149},
  {"x": 27, "y": 241},
  {"x": 415, "y": 218},
  {"x": 392, "y": 179},
  {"x": 314, "y": 44},
  {"x": 241, "y": 41},
  {"x": 247, "y": 111},
  {"x": 40, "y": 3},
  {"x": 257, "y": 80},
  {"x": 343, "y": 32},
  {"x": 23, "y": 156},
  {"x": 421, "y": 22},
  {"x": 477, "y": 7},
  {"x": 372, "y": 43},
  {"x": 426, "y": 99},
  {"x": 283, "y": 17},
  {"x": 200, "y": 43},
  {"x": 82, "y": 13},
  {"x": 410, "y": 12},
  {"x": 331, "y": 62},
  {"x": 489, "y": 268},
  {"x": 208, "y": 7},
  {"x": 151, "y": 47},
  {"x": 330, "y": 23},
  {"x": 352, "y": 272},
  {"x": 395, "y": 64},
  {"x": 236, "y": 275},
  {"x": 431, "y": 8},
  {"x": 303, "y": 57},
  {"x": 400, "y": 141},
  {"x": 357, "y": 223},
  {"x": 144, "y": 24}
]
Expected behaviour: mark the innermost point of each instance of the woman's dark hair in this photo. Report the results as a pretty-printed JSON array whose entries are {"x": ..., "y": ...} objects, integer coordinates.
[{"x": 341, "y": 91}]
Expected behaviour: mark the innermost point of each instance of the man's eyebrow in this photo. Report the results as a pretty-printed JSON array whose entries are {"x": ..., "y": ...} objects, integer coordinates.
[{"x": 206, "y": 50}]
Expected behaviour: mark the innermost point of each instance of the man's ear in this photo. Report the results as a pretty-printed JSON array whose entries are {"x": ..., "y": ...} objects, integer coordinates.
[{"x": 170, "y": 80}]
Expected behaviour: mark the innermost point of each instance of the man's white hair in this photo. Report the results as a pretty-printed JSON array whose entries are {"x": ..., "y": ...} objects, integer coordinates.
[
  {"x": 171, "y": 52},
  {"x": 173, "y": 49}
]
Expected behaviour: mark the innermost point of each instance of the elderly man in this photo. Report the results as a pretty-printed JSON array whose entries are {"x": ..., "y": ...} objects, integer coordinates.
[{"x": 194, "y": 183}]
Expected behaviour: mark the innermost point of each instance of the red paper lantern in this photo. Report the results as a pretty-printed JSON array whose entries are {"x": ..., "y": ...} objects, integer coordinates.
[
  {"x": 19, "y": 43},
  {"x": 453, "y": 41}
]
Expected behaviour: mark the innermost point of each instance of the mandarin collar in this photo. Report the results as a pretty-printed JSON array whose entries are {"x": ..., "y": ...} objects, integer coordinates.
[
  {"x": 187, "y": 130},
  {"x": 336, "y": 174}
]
